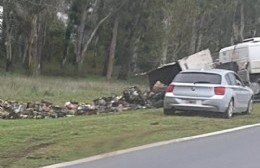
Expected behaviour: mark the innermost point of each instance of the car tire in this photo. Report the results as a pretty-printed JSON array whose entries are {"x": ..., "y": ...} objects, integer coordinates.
[
  {"x": 249, "y": 107},
  {"x": 230, "y": 110},
  {"x": 170, "y": 111}
]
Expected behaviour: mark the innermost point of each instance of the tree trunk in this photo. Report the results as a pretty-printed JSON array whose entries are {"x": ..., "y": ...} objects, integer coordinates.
[
  {"x": 112, "y": 49},
  {"x": 164, "y": 51},
  {"x": 92, "y": 35},
  {"x": 25, "y": 52},
  {"x": 9, "y": 48},
  {"x": 35, "y": 45},
  {"x": 66, "y": 45},
  {"x": 81, "y": 44},
  {"x": 165, "y": 45},
  {"x": 242, "y": 22},
  {"x": 201, "y": 32},
  {"x": 238, "y": 23},
  {"x": 41, "y": 31},
  {"x": 80, "y": 39},
  {"x": 8, "y": 35},
  {"x": 9, "y": 54},
  {"x": 134, "y": 66},
  {"x": 193, "y": 41},
  {"x": 235, "y": 37}
]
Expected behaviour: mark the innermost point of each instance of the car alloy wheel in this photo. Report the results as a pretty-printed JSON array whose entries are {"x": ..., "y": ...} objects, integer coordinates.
[
  {"x": 249, "y": 107},
  {"x": 230, "y": 110}
]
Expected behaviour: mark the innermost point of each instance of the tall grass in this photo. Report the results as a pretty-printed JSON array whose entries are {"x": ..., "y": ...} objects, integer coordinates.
[{"x": 60, "y": 90}]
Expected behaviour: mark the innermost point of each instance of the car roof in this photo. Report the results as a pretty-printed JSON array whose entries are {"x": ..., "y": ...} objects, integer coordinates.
[{"x": 215, "y": 71}]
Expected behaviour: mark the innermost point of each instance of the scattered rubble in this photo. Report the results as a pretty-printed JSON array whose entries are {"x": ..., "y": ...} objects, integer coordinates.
[{"x": 131, "y": 99}]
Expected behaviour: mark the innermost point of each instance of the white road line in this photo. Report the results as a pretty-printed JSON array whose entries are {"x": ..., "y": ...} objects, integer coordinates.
[{"x": 97, "y": 157}]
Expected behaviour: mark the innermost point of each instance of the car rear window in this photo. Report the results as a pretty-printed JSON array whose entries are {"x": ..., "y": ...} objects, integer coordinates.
[{"x": 197, "y": 77}]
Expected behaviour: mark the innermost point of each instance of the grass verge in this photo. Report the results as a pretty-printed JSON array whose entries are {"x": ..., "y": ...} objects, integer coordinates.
[
  {"x": 59, "y": 90},
  {"x": 35, "y": 143}
]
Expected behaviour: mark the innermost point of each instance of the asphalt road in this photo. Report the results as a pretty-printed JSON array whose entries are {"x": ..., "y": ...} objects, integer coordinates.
[{"x": 239, "y": 149}]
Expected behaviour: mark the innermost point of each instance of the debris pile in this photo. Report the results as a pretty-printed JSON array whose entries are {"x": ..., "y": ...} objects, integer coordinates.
[{"x": 131, "y": 99}]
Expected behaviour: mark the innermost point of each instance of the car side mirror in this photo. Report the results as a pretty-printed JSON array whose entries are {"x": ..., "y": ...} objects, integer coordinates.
[
  {"x": 238, "y": 83},
  {"x": 247, "y": 83}
]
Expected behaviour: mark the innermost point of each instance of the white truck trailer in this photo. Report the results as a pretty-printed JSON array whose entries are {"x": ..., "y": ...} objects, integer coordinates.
[
  {"x": 247, "y": 56},
  {"x": 199, "y": 60}
]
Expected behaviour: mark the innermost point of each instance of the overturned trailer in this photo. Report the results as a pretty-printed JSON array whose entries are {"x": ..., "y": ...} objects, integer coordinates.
[{"x": 166, "y": 73}]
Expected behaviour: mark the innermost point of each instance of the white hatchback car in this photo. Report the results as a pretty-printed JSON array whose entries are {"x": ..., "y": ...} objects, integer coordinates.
[{"x": 214, "y": 90}]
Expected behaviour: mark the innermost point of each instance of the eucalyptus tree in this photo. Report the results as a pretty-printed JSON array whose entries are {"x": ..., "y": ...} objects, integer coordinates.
[
  {"x": 140, "y": 36},
  {"x": 25, "y": 25},
  {"x": 246, "y": 19},
  {"x": 84, "y": 22},
  {"x": 107, "y": 35},
  {"x": 9, "y": 26},
  {"x": 134, "y": 35}
]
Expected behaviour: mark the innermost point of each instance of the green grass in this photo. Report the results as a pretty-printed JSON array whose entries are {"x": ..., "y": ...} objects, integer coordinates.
[
  {"x": 60, "y": 90},
  {"x": 35, "y": 143}
]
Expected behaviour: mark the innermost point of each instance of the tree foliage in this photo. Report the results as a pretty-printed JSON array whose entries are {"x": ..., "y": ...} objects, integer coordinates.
[{"x": 133, "y": 35}]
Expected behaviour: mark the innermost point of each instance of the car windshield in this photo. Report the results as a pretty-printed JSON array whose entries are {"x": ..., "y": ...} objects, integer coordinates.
[{"x": 198, "y": 77}]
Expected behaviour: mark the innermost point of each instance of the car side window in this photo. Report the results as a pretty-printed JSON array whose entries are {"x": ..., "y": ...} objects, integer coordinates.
[
  {"x": 239, "y": 81},
  {"x": 228, "y": 79},
  {"x": 232, "y": 78},
  {"x": 235, "y": 80}
]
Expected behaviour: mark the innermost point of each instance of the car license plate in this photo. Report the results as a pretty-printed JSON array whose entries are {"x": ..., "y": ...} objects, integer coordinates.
[{"x": 198, "y": 102}]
